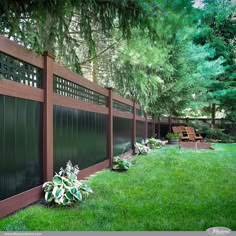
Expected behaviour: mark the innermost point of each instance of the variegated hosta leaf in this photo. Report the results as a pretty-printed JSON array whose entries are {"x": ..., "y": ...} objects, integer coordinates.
[
  {"x": 69, "y": 196},
  {"x": 76, "y": 193},
  {"x": 67, "y": 182},
  {"x": 57, "y": 192},
  {"x": 48, "y": 186},
  {"x": 86, "y": 188},
  {"x": 77, "y": 183},
  {"x": 78, "y": 196},
  {"x": 57, "y": 179},
  {"x": 65, "y": 201},
  {"x": 73, "y": 190},
  {"x": 49, "y": 196}
]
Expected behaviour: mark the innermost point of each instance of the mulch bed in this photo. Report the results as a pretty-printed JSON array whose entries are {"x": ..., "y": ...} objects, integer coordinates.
[{"x": 196, "y": 145}]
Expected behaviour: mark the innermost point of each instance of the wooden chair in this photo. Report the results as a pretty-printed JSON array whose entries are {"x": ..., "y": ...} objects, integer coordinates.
[
  {"x": 192, "y": 135},
  {"x": 181, "y": 130}
]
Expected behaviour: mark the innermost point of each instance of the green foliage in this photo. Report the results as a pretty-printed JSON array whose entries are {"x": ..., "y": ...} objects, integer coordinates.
[
  {"x": 65, "y": 189},
  {"x": 66, "y": 27},
  {"x": 217, "y": 27},
  {"x": 154, "y": 143},
  {"x": 142, "y": 149},
  {"x": 167, "y": 57},
  {"x": 121, "y": 163},
  {"x": 203, "y": 70},
  {"x": 173, "y": 136},
  {"x": 210, "y": 134},
  {"x": 147, "y": 70}
]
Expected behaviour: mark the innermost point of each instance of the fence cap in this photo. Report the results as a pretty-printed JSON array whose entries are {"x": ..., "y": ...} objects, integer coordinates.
[
  {"x": 109, "y": 87},
  {"x": 49, "y": 54}
]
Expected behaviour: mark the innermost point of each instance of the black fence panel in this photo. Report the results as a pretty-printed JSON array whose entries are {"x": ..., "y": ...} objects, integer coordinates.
[
  {"x": 122, "y": 135},
  {"x": 20, "y": 145},
  {"x": 79, "y": 136},
  {"x": 140, "y": 131},
  {"x": 164, "y": 129},
  {"x": 150, "y": 130}
]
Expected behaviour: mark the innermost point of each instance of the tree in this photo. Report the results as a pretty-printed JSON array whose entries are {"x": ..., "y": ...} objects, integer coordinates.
[
  {"x": 144, "y": 69},
  {"x": 145, "y": 48},
  {"x": 217, "y": 28},
  {"x": 64, "y": 27}
]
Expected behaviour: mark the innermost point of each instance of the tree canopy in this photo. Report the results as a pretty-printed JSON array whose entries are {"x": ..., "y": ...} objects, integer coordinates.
[{"x": 169, "y": 56}]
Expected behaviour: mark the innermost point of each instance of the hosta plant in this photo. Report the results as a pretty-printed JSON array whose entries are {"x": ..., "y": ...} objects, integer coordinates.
[
  {"x": 142, "y": 149},
  {"x": 121, "y": 163},
  {"x": 154, "y": 143},
  {"x": 65, "y": 189}
]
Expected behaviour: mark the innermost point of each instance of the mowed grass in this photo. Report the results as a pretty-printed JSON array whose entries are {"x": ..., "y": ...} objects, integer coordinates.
[{"x": 168, "y": 190}]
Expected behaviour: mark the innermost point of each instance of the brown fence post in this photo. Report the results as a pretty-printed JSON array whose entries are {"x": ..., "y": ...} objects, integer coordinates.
[
  {"x": 48, "y": 116},
  {"x": 134, "y": 126},
  {"x": 110, "y": 127},
  {"x": 153, "y": 126}
]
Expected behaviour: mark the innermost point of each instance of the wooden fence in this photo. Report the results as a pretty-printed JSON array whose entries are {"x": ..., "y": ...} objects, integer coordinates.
[{"x": 49, "y": 115}]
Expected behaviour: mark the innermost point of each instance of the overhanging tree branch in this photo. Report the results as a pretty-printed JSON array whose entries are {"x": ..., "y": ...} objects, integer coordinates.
[{"x": 100, "y": 53}]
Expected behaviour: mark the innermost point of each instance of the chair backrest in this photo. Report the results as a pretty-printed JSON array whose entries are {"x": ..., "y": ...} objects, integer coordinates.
[
  {"x": 191, "y": 130},
  {"x": 182, "y": 128},
  {"x": 176, "y": 129},
  {"x": 191, "y": 133}
]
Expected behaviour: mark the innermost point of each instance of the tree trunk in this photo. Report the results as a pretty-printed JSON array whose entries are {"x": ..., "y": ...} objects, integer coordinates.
[{"x": 94, "y": 71}]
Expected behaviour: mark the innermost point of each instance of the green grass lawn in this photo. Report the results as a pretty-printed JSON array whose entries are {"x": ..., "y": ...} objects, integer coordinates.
[{"x": 168, "y": 190}]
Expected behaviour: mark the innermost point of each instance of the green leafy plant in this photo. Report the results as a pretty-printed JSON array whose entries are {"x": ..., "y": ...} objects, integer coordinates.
[
  {"x": 212, "y": 135},
  {"x": 154, "y": 143},
  {"x": 65, "y": 189},
  {"x": 121, "y": 163},
  {"x": 142, "y": 149},
  {"x": 173, "y": 135}
]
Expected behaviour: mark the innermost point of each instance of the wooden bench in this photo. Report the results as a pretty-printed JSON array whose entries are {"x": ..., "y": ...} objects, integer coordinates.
[{"x": 181, "y": 130}]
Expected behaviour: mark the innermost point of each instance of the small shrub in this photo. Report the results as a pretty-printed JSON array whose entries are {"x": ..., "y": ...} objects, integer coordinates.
[
  {"x": 211, "y": 134},
  {"x": 65, "y": 189},
  {"x": 121, "y": 163},
  {"x": 142, "y": 149},
  {"x": 154, "y": 143},
  {"x": 173, "y": 135}
]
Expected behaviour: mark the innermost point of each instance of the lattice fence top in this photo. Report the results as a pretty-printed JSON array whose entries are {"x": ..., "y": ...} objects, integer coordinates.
[
  {"x": 140, "y": 113},
  {"x": 120, "y": 106},
  {"x": 20, "y": 71},
  {"x": 70, "y": 89}
]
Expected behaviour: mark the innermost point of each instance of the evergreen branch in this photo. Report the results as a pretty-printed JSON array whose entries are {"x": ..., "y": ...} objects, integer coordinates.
[{"x": 100, "y": 53}]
